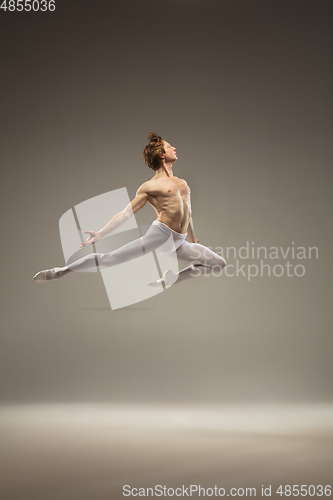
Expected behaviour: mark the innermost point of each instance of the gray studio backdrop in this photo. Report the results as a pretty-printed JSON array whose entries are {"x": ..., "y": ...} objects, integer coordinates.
[{"x": 243, "y": 90}]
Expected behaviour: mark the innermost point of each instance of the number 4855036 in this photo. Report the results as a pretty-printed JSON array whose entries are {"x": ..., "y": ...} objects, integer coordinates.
[{"x": 27, "y": 5}]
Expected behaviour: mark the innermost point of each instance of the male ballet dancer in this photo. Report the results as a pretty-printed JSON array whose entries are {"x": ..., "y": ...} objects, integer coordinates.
[{"x": 170, "y": 197}]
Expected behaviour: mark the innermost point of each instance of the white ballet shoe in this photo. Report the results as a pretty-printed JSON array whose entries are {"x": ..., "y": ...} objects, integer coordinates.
[
  {"x": 46, "y": 275},
  {"x": 168, "y": 279},
  {"x": 155, "y": 284}
]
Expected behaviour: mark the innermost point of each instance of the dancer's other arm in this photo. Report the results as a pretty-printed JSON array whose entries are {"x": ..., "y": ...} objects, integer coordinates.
[
  {"x": 119, "y": 219},
  {"x": 190, "y": 232}
]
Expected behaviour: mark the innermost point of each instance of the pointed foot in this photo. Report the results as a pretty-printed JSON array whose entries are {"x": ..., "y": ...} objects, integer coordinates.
[
  {"x": 46, "y": 275},
  {"x": 168, "y": 279}
]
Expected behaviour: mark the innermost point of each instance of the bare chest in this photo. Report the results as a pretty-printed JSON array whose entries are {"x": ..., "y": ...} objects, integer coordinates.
[{"x": 170, "y": 188}]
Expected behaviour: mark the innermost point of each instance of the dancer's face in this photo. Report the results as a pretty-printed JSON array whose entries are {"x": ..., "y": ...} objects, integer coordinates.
[{"x": 170, "y": 155}]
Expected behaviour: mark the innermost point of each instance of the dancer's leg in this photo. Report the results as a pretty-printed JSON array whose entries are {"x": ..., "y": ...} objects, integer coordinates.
[
  {"x": 204, "y": 262},
  {"x": 154, "y": 238}
]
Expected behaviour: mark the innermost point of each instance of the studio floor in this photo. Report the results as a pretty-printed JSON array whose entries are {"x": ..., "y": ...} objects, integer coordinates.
[{"x": 90, "y": 452}]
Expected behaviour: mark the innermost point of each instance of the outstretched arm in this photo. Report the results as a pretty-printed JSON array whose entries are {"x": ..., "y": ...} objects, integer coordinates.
[
  {"x": 190, "y": 232},
  {"x": 119, "y": 219}
]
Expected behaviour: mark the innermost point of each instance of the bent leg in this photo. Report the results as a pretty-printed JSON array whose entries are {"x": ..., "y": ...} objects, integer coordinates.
[{"x": 204, "y": 262}]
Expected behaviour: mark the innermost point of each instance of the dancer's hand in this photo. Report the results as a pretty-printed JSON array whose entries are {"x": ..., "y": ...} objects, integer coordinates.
[{"x": 92, "y": 238}]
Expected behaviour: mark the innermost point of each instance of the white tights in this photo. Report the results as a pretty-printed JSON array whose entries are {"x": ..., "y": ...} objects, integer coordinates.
[{"x": 203, "y": 261}]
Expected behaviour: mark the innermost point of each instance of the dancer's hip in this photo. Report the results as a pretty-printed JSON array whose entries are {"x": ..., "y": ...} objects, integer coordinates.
[{"x": 166, "y": 229}]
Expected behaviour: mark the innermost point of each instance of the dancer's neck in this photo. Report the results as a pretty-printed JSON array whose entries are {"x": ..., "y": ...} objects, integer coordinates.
[{"x": 165, "y": 170}]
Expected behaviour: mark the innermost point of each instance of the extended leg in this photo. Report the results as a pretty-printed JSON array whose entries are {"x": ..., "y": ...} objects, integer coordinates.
[{"x": 154, "y": 238}]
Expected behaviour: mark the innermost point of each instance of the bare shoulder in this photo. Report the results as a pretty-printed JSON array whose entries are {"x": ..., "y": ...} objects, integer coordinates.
[
  {"x": 183, "y": 184},
  {"x": 181, "y": 180},
  {"x": 144, "y": 188}
]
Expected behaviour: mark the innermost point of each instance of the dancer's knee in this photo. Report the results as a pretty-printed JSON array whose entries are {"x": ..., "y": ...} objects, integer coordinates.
[
  {"x": 217, "y": 265},
  {"x": 223, "y": 262},
  {"x": 217, "y": 262}
]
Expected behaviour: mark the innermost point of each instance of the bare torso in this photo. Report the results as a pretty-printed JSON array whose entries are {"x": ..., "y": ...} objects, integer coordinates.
[{"x": 171, "y": 199}]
